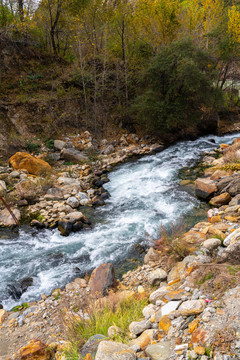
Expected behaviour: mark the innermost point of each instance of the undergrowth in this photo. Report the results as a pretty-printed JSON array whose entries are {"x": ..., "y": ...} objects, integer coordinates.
[{"x": 99, "y": 316}]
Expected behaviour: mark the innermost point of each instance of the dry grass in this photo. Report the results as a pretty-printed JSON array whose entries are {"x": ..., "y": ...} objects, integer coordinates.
[
  {"x": 170, "y": 243},
  {"x": 96, "y": 316},
  {"x": 229, "y": 154},
  {"x": 215, "y": 279}
]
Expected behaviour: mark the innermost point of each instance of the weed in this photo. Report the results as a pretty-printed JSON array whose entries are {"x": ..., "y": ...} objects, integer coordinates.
[
  {"x": 49, "y": 143},
  {"x": 20, "y": 307},
  {"x": 68, "y": 163},
  {"x": 208, "y": 351},
  {"x": 33, "y": 147},
  {"x": 100, "y": 315},
  {"x": 206, "y": 277},
  {"x": 233, "y": 269},
  {"x": 35, "y": 76},
  {"x": 233, "y": 166}
]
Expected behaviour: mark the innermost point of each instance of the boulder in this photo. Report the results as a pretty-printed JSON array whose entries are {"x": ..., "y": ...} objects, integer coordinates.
[
  {"x": 3, "y": 315},
  {"x": 107, "y": 150},
  {"x": 169, "y": 307},
  {"x": 231, "y": 254},
  {"x": 204, "y": 188},
  {"x": 73, "y": 202},
  {"x": 191, "y": 307},
  {"x": 212, "y": 243},
  {"x": 109, "y": 350},
  {"x": 28, "y": 190},
  {"x": 3, "y": 187},
  {"x": 6, "y": 218},
  {"x": 230, "y": 184},
  {"x": 151, "y": 256},
  {"x": 73, "y": 155},
  {"x": 33, "y": 165},
  {"x": 157, "y": 276},
  {"x": 158, "y": 294},
  {"x": 65, "y": 227},
  {"x": 232, "y": 238},
  {"x": 144, "y": 339},
  {"x": 74, "y": 217},
  {"x": 59, "y": 144},
  {"x": 177, "y": 272},
  {"x": 35, "y": 350},
  {"x": 65, "y": 180},
  {"x": 220, "y": 200},
  {"x": 160, "y": 351},
  {"x": 91, "y": 345},
  {"x": 137, "y": 327},
  {"x": 102, "y": 278}
]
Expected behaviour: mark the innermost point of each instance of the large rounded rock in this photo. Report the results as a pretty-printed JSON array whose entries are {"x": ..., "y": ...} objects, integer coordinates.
[
  {"x": 191, "y": 307},
  {"x": 137, "y": 327},
  {"x": 92, "y": 344},
  {"x": 109, "y": 350},
  {"x": 35, "y": 349},
  {"x": 6, "y": 218},
  {"x": 33, "y": 165},
  {"x": 73, "y": 202},
  {"x": 204, "y": 188},
  {"x": 220, "y": 200},
  {"x": 212, "y": 243},
  {"x": 59, "y": 144},
  {"x": 102, "y": 278},
  {"x": 28, "y": 189},
  {"x": 152, "y": 256},
  {"x": 3, "y": 187},
  {"x": 156, "y": 276},
  {"x": 73, "y": 155},
  {"x": 160, "y": 351},
  {"x": 231, "y": 254}
]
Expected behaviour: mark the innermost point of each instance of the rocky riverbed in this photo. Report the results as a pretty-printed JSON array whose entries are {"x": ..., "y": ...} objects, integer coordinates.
[{"x": 192, "y": 283}]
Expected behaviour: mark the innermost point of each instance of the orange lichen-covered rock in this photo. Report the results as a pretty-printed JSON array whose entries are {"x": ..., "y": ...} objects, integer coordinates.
[
  {"x": 199, "y": 350},
  {"x": 88, "y": 357},
  {"x": 33, "y": 165},
  {"x": 35, "y": 350},
  {"x": 193, "y": 325},
  {"x": 164, "y": 323},
  {"x": 199, "y": 336}
]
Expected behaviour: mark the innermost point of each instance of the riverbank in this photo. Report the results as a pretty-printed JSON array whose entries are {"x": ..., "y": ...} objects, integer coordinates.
[{"x": 187, "y": 310}]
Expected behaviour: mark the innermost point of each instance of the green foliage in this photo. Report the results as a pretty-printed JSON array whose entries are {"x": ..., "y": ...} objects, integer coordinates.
[
  {"x": 178, "y": 84},
  {"x": 233, "y": 269},
  {"x": 33, "y": 147},
  {"x": 100, "y": 319},
  {"x": 6, "y": 16},
  {"x": 20, "y": 307},
  {"x": 207, "y": 277},
  {"x": 49, "y": 143}
]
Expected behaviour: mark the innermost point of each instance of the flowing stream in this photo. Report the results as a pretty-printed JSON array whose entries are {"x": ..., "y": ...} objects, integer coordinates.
[{"x": 144, "y": 194}]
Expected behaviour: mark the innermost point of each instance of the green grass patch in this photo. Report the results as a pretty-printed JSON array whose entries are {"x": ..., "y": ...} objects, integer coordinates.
[
  {"x": 20, "y": 307},
  {"x": 233, "y": 269},
  {"x": 114, "y": 312},
  {"x": 207, "y": 277}
]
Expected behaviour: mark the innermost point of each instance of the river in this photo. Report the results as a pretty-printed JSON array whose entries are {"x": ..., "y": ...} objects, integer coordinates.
[{"x": 144, "y": 194}]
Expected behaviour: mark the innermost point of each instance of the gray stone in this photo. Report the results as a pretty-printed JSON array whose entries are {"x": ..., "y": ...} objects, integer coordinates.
[
  {"x": 191, "y": 307},
  {"x": 212, "y": 243},
  {"x": 137, "y": 327},
  {"x": 64, "y": 180},
  {"x": 81, "y": 196},
  {"x": 109, "y": 149},
  {"x": 160, "y": 351},
  {"x": 149, "y": 310},
  {"x": 231, "y": 254},
  {"x": 156, "y": 276},
  {"x": 73, "y": 217},
  {"x": 169, "y": 307},
  {"x": 109, "y": 350},
  {"x": 158, "y": 294},
  {"x": 91, "y": 345},
  {"x": 232, "y": 238},
  {"x": 14, "y": 174},
  {"x": 3, "y": 187},
  {"x": 73, "y": 202},
  {"x": 59, "y": 144},
  {"x": 151, "y": 256},
  {"x": 6, "y": 218},
  {"x": 73, "y": 155}
]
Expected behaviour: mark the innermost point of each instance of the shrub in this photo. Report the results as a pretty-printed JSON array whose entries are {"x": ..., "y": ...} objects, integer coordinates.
[
  {"x": 100, "y": 315},
  {"x": 177, "y": 86}
]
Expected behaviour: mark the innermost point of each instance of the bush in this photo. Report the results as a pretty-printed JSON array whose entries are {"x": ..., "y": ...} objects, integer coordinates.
[{"x": 178, "y": 85}]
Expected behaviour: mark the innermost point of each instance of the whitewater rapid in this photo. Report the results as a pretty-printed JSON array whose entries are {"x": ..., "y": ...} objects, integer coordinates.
[{"x": 144, "y": 194}]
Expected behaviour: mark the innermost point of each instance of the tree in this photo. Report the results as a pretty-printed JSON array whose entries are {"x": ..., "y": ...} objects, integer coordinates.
[{"x": 178, "y": 85}]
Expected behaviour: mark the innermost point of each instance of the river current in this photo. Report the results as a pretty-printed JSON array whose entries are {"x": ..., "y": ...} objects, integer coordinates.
[{"x": 144, "y": 194}]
